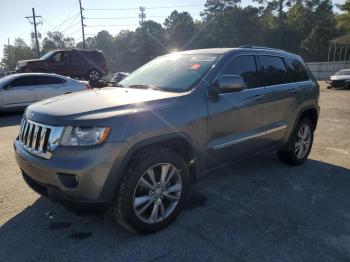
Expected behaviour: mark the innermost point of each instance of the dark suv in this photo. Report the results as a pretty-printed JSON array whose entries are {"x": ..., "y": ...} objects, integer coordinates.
[
  {"x": 90, "y": 64},
  {"x": 137, "y": 149}
]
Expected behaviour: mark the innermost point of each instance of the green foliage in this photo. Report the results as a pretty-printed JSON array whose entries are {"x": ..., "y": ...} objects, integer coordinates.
[
  {"x": 18, "y": 51},
  {"x": 56, "y": 40},
  {"x": 343, "y": 20}
]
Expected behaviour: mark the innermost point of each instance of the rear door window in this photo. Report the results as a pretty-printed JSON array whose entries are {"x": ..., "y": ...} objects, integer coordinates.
[
  {"x": 245, "y": 66},
  {"x": 23, "y": 81},
  {"x": 76, "y": 57},
  {"x": 273, "y": 71},
  {"x": 296, "y": 70},
  {"x": 49, "y": 80}
]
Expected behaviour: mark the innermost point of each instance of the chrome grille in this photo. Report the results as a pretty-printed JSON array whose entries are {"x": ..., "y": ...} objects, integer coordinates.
[{"x": 39, "y": 139}]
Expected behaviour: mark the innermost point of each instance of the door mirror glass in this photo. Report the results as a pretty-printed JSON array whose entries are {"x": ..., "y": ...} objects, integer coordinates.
[{"x": 228, "y": 84}]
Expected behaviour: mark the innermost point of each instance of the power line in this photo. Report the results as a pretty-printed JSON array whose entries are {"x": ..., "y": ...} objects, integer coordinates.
[
  {"x": 129, "y": 17},
  {"x": 110, "y": 25},
  {"x": 136, "y": 8}
]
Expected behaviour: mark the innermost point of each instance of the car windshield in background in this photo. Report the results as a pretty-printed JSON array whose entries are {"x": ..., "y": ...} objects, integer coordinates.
[
  {"x": 47, "y": 55},
  {"x": 343, "y": 73},
  {"x": 174, "y": 72}
]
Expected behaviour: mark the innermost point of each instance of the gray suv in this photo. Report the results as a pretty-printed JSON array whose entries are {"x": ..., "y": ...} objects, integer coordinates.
[{"x": 137, "y": 148}]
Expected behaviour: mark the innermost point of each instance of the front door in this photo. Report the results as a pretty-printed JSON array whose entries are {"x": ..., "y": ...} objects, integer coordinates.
[
  {"x": 236, "y": 123},
  {"x": 19, "y": 92},
  {"x": 58, "y": 63}
]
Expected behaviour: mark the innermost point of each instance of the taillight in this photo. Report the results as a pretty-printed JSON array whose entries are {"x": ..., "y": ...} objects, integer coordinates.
[{"x": 88, "y": 87}]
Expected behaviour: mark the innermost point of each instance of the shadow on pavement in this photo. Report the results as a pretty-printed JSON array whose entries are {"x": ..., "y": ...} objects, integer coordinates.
[
  {"x": 256, "y": 210},
  {"x": 10, "y": 119}
]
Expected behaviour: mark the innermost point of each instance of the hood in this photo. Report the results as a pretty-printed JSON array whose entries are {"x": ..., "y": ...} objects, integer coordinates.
[
  {"x": 96, "y": 104},
  {"x": 29, "y": 60},
  {"x": 340, "y": 77}
]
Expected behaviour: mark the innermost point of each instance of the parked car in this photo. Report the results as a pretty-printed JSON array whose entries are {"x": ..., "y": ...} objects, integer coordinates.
[
  {"x": 119, "y": 77},
  {"x": 19, "y": 90},
  {"x": 6, "y": 73},
  {"x": 137, "y": 149},
  {"x": 340, "y": 79},
  {"x": 89, "y": 64}
]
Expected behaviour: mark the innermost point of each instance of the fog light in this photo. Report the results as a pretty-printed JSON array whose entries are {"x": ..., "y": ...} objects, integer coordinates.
[{"x": 68, "y": 180}]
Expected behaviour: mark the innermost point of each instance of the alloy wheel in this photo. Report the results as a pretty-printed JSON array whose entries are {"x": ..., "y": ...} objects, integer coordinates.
[
  {"x": 303, "y": 141},
  {"x": 94, "y": 75},
  {"x": 157, "y": 193}
]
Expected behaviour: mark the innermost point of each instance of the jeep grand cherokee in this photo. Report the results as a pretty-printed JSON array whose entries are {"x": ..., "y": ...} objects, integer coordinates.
[{"x": 136, "y": 149}]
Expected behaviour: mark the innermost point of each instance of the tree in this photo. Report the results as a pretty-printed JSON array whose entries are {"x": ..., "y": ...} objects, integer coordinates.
[
  {"x": 18, "y": 51},
  {"x": 315, "y": 46},
  {"x": 343, "y": 20},
  {"x": 299, "y": 24},
  {"x": 149, "y": 42},
  {"x": 279, "y": 7},
  {"x": 179, "y": 29},
  {"x": 56, "y": 40}
]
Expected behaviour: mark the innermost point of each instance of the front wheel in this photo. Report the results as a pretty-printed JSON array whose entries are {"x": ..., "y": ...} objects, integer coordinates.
[
  {"x": 152, "y": 192},
  {"x": 300, "y": 143}
]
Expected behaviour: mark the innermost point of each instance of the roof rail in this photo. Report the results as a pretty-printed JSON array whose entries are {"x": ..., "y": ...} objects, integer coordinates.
[{"x": 261, "y": 47}]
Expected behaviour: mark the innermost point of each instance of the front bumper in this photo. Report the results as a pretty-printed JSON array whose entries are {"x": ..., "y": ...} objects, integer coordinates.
[{"x": 91, "y": 166}]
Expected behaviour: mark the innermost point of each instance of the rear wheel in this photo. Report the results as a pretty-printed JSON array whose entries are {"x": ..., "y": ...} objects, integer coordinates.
[
  {"x": 152, "y": 192},
  {"x": 300, "y": 143},
  {"x": 94, "y": 75}
]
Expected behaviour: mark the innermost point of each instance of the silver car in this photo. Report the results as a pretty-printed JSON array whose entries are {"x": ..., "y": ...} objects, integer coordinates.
[
  {"x": 340, "y": 79},
  {"x": 19, "y": 90}
]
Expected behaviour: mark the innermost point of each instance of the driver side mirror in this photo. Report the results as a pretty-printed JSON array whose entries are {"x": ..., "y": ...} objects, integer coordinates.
[{"x": 228, "y": 84}]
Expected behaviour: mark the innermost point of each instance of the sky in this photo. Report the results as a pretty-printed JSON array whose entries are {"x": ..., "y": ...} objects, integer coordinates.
[{"x": 64, "y": 16}]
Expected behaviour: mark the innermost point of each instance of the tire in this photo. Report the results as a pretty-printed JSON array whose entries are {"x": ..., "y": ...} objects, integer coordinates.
[
  {"x": 291, "y": 155},
  {"x": 94, "y": 75},
  {"x": 125, "y": 205}
]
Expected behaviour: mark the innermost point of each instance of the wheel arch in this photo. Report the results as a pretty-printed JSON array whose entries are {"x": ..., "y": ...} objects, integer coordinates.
[{"x": 180, "y": 143}]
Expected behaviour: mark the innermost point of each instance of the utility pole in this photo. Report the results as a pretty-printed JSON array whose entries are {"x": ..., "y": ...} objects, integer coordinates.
[
  {"x": 8, "y": 53},
  {"x": 35, "y": 31},
  {"x": 82, "y": 23},
  {"x": 142, "y": 15}
]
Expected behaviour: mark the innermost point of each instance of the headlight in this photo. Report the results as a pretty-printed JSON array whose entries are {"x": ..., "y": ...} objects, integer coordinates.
[
  {"x": 84, "y": 136},
  {"x": 21, "y": 64}
]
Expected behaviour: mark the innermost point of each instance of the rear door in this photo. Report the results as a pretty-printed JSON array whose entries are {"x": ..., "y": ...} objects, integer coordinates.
[
  {"x": 19, "y": 92},
  {"x": 236, "y": 123},
  {"x": 77, "y": 64},
  {"x": 49, "y": 86},
  {"x": 282, "y": 96}
]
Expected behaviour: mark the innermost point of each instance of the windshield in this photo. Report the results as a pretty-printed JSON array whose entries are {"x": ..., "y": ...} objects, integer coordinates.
[
  {"x": 343, "y": 73},
  {"x": 47, "y": 55},
  {"x": 174, "y": 72}
]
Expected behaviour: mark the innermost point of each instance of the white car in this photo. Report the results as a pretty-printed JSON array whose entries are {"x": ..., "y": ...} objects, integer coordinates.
[{"x": 19, "y": 90}]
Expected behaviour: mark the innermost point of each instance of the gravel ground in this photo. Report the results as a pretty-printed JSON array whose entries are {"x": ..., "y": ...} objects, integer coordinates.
[{"x": 255, "y": 210}]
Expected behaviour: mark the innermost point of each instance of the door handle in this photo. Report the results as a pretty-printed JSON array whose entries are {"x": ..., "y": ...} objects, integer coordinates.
[
  {"x": 293, "y": 90},
  {"x": 257, "y": 97}
]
